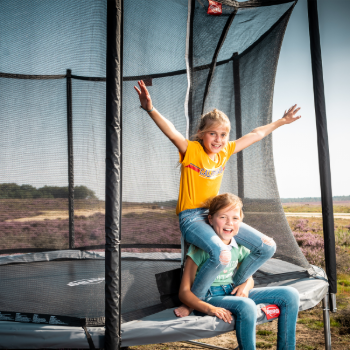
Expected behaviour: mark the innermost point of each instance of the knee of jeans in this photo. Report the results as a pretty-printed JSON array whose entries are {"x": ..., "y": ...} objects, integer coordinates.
[
  {"x": 268, "y": 246},
  {"x": 248, "y": 309},
  {"x": 293, "y": 296},
  {"x": 221, "y": 256},
  {"x": 225, "y": 257}
]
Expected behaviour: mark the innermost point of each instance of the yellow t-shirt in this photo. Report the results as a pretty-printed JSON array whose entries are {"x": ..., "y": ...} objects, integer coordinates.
[{"x": 201, "y": 176}]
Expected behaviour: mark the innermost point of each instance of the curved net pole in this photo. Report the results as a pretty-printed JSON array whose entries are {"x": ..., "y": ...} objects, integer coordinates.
[
  {"x": 216, "y": 54},
  {"x": 238, "y": 117},
  {"x": 324, "y": 168},
  {"x": 113, "y": 174},
  {"x": 323, "y": 150}
]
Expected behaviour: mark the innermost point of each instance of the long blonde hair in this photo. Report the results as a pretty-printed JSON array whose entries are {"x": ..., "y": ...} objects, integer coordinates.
[
  {"x": 208, "y": 120},
  {"x": 222, "y": 201}
]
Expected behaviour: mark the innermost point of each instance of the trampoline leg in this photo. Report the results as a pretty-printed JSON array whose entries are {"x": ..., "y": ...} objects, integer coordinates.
[
  {"x": 326, "y": 322},
  {"x": 203, "y": 345},
  {"x": 333, "y": 302}
]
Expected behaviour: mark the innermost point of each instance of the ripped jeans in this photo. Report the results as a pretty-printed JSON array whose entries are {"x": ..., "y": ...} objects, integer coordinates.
[
  {"x": 245, "y": 312},
  {"x": 195, "y": 230}
]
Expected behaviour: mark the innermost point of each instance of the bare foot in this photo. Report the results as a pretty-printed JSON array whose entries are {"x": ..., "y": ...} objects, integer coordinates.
[{"x": 182, "y": 311}]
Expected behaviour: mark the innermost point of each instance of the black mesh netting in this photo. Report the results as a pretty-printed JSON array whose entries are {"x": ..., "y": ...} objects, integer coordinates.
[{"x": 47, "y": 38}]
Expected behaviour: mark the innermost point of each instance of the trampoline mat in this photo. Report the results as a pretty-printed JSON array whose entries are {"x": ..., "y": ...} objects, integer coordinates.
[
  {"x": 158, "y": 328},
  {"x": 74, "y": 280},
  {"x": 71, "y": 283}
]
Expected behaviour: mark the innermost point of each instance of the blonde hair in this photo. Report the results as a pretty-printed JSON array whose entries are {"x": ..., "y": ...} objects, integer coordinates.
[
  {"x": 208, "y": 120},
  {"x": 222, "y": 201}
]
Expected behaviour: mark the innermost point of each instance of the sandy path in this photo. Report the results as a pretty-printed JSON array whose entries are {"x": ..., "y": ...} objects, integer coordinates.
[{"x": 63, "y": 214}]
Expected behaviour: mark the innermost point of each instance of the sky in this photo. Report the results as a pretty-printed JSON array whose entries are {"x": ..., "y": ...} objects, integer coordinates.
[{"x": 295, "y": 145}]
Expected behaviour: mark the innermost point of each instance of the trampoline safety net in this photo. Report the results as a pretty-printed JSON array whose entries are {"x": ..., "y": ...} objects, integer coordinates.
[{"x": 53, "y": 140}]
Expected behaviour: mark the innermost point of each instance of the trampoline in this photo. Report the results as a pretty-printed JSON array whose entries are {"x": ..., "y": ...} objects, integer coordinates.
[
  {"x": 90, "y": 246},
  {"x": 81, "y": 274}
]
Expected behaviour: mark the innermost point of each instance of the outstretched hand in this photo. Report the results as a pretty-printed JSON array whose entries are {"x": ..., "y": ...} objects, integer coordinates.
[
  {"x": 221, "y": 313},
  {"x": 144, "y": 96},
  {"x": 290, "y": 114}
]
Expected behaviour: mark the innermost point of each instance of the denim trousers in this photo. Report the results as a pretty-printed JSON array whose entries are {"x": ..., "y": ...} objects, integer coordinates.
[
  {"x": 196, "y": 230},
  {"x": 245, "y": 312}
]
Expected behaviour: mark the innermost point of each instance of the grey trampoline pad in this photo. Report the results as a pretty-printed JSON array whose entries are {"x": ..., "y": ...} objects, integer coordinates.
[
  {"x": 165, "y": 327},
  {"x": 15, "y": 335},
  {"x": 162, "y": 327}
]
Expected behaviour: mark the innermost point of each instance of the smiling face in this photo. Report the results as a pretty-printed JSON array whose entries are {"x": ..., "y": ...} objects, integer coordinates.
[
  {"x": 225, "y": 222},
  {"x": 215, "y": 139}
]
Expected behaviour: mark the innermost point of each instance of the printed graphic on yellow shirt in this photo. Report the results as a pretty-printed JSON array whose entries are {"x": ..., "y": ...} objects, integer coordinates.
[{"x": 207, "y": 173}]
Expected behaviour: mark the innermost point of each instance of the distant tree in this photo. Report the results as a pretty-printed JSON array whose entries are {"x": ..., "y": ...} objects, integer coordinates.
[
  {"x": 82, "y": 192},
  {"x": 14, "y": 191}
]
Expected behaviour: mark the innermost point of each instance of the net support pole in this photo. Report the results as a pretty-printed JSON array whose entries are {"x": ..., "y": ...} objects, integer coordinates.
[
  {"x": 70, "y": 159},
  {"x": 190, "y": 71},
  {"x": 326, "y": 322},
  {"x": 323, "y": 150},
  {"x": 113, "y": 173},
  {"x": 238, "y": 118}
]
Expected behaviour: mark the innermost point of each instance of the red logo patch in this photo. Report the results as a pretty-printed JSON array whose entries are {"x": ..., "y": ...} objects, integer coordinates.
[
  {"x": 271, "y": 311},
  {"x": 214, "y": 8}
]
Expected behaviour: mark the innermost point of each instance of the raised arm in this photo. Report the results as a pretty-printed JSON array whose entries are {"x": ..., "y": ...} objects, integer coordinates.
[
  {"x": 262, "y": 131},
  {"x": 163, "y": 124},
  {"x": 189, "y": 299}
]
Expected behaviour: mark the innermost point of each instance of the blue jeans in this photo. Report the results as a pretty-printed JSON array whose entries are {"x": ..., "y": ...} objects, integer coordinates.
[
  {"x": 195, "y": 230},
  {"x": 245, "y": 312}
]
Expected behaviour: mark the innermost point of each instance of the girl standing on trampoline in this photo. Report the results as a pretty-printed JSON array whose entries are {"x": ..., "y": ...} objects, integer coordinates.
[
  {"x": 202, "y": 167},
  {"x": 225, "y": 216}
]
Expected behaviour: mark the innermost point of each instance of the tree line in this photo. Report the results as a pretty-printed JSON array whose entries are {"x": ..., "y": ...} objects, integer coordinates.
[
  {"x": 14, "y": 191},
  {"x": 313, "y": 199}
]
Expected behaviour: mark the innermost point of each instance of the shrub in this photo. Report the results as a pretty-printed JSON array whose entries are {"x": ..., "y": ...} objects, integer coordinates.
[
  {"x": 343, "y": 317},
  {"x": 312, "y": 246}
]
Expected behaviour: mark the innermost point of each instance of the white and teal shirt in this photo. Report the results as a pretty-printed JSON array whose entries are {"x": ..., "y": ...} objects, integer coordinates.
[{"x": 238, "y": 254}]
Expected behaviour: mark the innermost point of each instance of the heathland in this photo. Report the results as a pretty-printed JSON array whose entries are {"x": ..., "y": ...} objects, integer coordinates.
[{"x": 35, "y": 221}]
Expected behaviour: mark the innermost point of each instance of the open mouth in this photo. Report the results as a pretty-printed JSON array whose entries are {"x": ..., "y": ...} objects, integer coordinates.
[
  {"x": 228, "y": 230},
  {"x": 216, "y": 146}
]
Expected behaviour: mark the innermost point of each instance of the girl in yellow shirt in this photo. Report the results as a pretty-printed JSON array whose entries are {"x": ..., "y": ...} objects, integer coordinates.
[{"x": 202, "y": 167}]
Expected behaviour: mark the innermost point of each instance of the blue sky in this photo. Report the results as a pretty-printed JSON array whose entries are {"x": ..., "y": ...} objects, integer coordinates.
[{"x": 295, "y": 146}]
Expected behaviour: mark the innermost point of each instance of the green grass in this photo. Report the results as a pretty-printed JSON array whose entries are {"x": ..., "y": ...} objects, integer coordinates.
[
  {"x": 305, "y": 347},
  {"x": 334, "y": 323},
  {"x": 264, "y": 332},
  {"x": 343, "y": 284},
  {"x": 315, "y": 324},
  {"x": 263, "y": 345},
  {"x": 311, "y": 323}
]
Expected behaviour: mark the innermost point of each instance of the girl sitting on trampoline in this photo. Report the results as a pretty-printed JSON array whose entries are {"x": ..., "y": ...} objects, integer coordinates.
[
  {"x": 202, "y": 166},
  {"x": 222, "y": 300}
]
